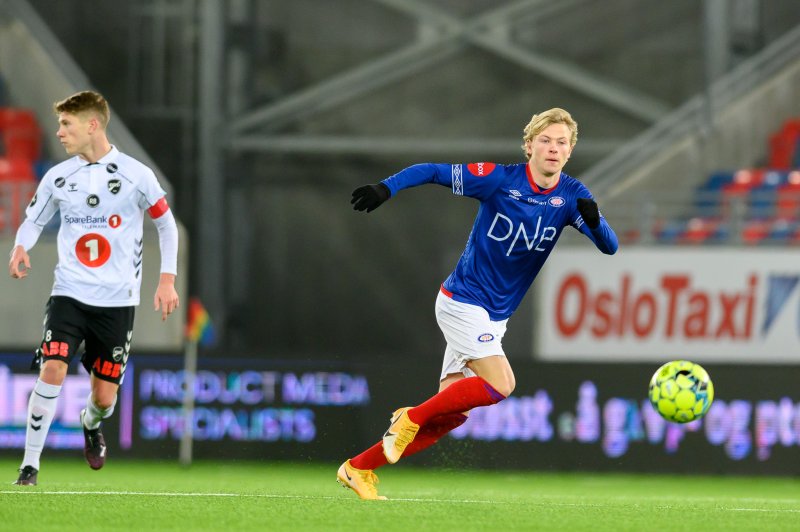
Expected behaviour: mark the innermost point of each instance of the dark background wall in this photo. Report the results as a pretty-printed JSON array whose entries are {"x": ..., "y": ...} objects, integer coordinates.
[{"x": 302, "y": 272}]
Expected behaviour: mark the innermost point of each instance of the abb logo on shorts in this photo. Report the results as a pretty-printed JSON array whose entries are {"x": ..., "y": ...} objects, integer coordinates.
[
  {"x": 53, "y": 349},
  {"x": 481, "y": 169},
  {"x": 106, "y": 368}
]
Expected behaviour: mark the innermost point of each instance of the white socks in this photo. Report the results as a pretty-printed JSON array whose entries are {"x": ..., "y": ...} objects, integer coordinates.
[
  {"x": 41, "y": 409},
  {"x": 94, "y": 415}
]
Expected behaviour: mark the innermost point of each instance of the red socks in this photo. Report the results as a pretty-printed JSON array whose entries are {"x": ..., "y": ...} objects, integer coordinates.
[
  {"x": 461, "y": 396},
  {"x": 436, "y": 417},
  {"x": 435, "y": 429},
  {"x": 373, "y": 457}
]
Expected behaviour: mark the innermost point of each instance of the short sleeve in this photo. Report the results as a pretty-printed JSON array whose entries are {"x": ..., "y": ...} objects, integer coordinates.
[
  {"x": 150, "y": 189},
  {"x": 43, "y": 205}
]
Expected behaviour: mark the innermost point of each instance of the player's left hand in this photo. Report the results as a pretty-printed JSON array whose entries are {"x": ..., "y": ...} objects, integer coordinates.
[
  {"x": 166, "y": 298},
  {"x": 589, "y": 212}
]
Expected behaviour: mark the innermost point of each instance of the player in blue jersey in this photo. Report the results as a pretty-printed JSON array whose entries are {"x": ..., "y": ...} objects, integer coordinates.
[{"x": 523, "y": 209}]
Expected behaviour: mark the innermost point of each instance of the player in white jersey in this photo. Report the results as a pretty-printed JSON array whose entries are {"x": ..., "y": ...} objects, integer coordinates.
[
  {"x": 523, "y": 210},
  {"x": 102, "y": 195}
]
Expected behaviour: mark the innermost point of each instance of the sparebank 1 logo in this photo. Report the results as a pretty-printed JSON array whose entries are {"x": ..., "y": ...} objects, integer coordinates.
[{"x": 779, "y": 290}]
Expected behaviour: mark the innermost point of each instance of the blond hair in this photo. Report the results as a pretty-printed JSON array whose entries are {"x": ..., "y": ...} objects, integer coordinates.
[
  {"x": 542, "y": 121},
  {"x": 85, "y": 102}
]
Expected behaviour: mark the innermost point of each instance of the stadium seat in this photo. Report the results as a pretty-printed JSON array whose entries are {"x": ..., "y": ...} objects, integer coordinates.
[
  {"x": 738, "y": 192},
  {"x": 14, "y": 169},
  {"x": 783, "y": 146},
  {"x": 17, "y": 184},
  {"x": 667, "y": 232},
  {"x": 787, "y": 201},
  {"x": 717, "y": 180},
  {"x": 763, "y": 202},
  {"x": 702, "y": 230},
  {"x": 707, "y": 197},
  {"x": 756, "y": 231},
  {"x": 782, "y": 230},
  {"x": 14, "y": 196},
  {"x": 763, "y": 198},
  {"x": 20, "y": 134}
]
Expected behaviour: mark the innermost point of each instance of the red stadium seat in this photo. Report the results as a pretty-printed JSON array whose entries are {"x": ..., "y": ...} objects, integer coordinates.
[
  {"x": 17, "y": 184},
  {"x": 16, "y": 170},
  {"x": 700, "y": 230},
  {"x": 783, "y": 145},
  {"x": 20, "y": 134},
  {"x": 756, "y": 231},
  {"x": 14, "y": 197},
  {"x": 787, "y": 202}
]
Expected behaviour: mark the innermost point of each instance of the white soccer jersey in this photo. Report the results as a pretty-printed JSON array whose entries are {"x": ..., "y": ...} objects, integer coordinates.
[{"x": 100, "y": 242}]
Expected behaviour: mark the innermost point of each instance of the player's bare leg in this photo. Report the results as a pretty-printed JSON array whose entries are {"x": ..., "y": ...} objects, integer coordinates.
[
  {"x": 496, "y": 371},
  {"x": 450, "y": 379}
]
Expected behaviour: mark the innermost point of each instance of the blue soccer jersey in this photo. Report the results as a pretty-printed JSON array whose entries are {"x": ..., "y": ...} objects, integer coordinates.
[{"x": 516, "y": 228}]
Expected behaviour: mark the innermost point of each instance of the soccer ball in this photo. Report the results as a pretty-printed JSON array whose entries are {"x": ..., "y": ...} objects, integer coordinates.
[{"x": 681, "y": 391}]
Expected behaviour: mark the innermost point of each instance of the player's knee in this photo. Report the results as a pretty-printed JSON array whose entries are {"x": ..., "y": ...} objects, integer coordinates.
[
  {"x": 506, "y": 386},
  {"x": 102, "y": 402},
  {"x": 53, "y": 372},
  {"x": 506, "y": 389}
]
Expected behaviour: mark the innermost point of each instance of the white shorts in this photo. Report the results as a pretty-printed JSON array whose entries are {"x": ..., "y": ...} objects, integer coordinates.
[{"x": 469, "y": 333}]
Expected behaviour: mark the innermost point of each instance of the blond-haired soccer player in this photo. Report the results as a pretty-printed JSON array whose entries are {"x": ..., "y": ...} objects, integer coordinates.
[
  {"x": 101, "y": 195},
  {"x": 523, "y": 210}
]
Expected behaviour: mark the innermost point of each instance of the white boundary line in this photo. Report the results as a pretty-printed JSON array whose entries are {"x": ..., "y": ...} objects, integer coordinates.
[
  {"x": 34, "y": 491},
  {"x": 543, "y": 502}
]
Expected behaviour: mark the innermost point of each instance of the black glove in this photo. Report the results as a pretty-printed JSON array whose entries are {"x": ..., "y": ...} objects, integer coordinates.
[
  {"x": 588, "y": 209},
  {"x": 370, "y": 197}
]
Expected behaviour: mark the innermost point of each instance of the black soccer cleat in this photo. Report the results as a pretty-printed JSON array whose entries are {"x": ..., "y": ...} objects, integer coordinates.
[
  {"x": 27, "y": 476},
  {"x": 94, "y": 445}
]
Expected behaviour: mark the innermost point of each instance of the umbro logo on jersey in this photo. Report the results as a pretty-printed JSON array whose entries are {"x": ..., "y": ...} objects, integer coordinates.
[
  {"x": 114, "y": 185},
  {"x": 60, "y": 182},
  {"x": 92, "y": 200},
  {"x": 111, "y": 168}
]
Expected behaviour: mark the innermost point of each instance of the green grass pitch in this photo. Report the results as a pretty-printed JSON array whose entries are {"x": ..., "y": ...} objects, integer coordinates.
[{"x": 143, "y": 495}]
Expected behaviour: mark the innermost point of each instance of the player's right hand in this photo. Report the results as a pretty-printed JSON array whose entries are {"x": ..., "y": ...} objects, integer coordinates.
[
  {"x": 19, "y": 256},
  {"x": 370, "y": 197}
]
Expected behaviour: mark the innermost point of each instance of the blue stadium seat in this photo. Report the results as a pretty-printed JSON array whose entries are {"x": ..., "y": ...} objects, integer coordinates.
[
  {"x": 717, "y": 180},
  {"x": 782, "y": 230}
]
